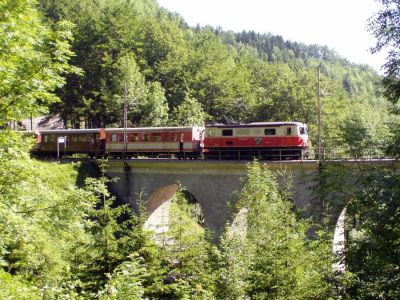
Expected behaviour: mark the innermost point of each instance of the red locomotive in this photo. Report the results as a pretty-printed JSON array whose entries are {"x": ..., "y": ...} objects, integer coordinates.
[{"x": 265, "y": 141}]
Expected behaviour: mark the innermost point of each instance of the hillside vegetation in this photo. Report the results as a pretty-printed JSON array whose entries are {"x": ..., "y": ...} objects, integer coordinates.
[
  {"x": 177, "y": 75},
  {"x": 63, "y": 236}
]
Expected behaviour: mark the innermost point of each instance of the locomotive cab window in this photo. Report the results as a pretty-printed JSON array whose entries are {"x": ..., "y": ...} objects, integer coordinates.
[
  {"x": 227, "y": 132},
  {"x": 288, "y": 131},
  {"x": 302, "y": 130},
  {"x": 269, "y": 131}
]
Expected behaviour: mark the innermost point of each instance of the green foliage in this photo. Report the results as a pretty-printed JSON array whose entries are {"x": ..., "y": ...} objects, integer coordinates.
[
  {"x": 41, "y": 215},
  {"x": 370, "y": 194},
  {"x": 146, "y": 103},
  {"x": 392, "y": 148},
  {"x": 154, "y": 111},
  {"x": 384, "y": 26},
  {"x": 33, "y": 60},
  {"x": 189, "y": 113},
  {"x": 285, "y": 93},
  {"x": 126, "y": 282},
  {"x": 269, "y": 255},
  {"x": 12, "y": 287},
  {"x": 373, "y": 235},
  {"x": 188, "y": 255},
  {"x": 362, "y": 132},
  {"x": 58, "y": 241}
]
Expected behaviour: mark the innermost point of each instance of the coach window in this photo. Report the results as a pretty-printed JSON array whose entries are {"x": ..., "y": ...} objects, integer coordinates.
[
  {"x": 156, "y": 137},
  {"x": 145, "y": 137},
  {"x": 227, "y": 132},
  {"x": 134, "y": 137},
  {"x": 74, "y": 139},
  {"x": 46, "y": 138},
  {"x": 52, "y": 138},
  {"x": 269, "y": 131},
  {"x": 175, "y": 136},
  {"x": 114, "y": 137},
  {"x": 288, "y": 131}
]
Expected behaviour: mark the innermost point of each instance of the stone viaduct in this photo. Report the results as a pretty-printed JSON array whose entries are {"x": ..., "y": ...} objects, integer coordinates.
[{"x": 212, "y": 183}]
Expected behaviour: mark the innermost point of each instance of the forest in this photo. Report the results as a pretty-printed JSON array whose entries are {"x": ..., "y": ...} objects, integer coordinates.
[{"x": 63, "y": 235}]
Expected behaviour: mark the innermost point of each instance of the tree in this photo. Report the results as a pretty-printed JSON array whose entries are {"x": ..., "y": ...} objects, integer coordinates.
[
  {"x": 154, "y": 110},
  {"x": 362, "y": 132},
  {"x": 33, "y": 60},
  {"x": 370, "y": 194},
  {"x": 188, "y": 254},
  {"x": 189, "y": 113},
  {"x": 113, "y": 229},
  {"x": 42, "y": 217},
  {"x": 146, "y": 103},
  {"x": 385, "y": 27},
  {"x": 274, "y": 258},
  {"x": 126, "y": 282},
  {"x": 372, "y": 233}
]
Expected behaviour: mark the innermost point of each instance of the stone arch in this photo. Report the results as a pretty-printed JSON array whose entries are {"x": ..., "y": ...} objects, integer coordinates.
[
  {"x": 338, "y": 247},
  {"x": 158, "y": 207}
]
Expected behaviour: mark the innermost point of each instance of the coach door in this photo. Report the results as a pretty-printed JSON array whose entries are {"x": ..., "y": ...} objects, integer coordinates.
[{"x": 181, "y": 137}]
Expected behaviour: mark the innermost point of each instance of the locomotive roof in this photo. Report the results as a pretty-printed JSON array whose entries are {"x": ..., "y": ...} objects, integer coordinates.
[{"x": 257, "y": 124}]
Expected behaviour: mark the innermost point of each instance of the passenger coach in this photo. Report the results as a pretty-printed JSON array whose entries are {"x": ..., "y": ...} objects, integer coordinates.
[
  {"x": 74, "y": 141},
  {"x": 182, "y": 142},
  {"x": 263, "y": 140}
]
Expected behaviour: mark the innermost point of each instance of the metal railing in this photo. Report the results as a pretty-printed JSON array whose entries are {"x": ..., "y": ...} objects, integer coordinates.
[{"x": 340, "y": 153}]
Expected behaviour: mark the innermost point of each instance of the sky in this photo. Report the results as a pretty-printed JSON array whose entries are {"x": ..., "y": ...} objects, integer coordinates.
[{"x": 339, "y": 24}]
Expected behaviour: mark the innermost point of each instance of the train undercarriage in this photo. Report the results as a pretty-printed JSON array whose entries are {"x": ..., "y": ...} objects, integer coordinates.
[{"x": 256, "y": 153}]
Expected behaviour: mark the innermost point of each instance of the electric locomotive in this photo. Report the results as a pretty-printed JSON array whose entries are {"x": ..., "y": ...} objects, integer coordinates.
[{"x": 262, "y": 140}]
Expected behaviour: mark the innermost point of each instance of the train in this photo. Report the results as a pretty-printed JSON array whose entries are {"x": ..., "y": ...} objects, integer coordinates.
[{"x": 261, "y": 140}]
